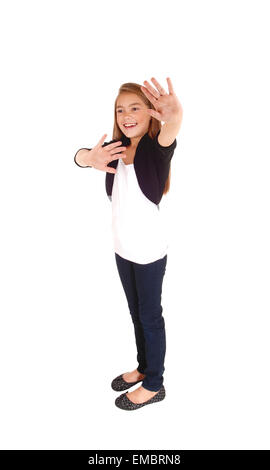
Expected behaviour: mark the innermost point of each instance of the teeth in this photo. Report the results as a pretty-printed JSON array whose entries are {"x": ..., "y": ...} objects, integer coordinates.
[{"x": 129, "y": 125}]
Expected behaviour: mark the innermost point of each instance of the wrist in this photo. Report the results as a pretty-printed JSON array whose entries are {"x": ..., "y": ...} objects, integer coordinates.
[{"x": 83, "y": 158}]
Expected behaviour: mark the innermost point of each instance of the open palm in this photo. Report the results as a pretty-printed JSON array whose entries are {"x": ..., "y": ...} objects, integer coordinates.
[{"x": 167, "y": 106}]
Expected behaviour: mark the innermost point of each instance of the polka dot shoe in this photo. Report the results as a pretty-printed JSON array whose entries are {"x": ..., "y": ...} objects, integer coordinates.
[
  {"x": 125, "y": 403},
  {"x": 118, "y": 384}
]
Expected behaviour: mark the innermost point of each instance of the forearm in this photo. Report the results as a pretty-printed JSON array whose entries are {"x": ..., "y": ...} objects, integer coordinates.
[{"x": 169, "y": 131}]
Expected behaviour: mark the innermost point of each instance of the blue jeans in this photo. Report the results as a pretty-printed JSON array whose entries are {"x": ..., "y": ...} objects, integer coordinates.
[{"x": 142, "y": 284}]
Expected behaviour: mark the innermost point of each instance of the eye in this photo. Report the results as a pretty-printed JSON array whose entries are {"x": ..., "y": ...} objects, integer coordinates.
[{"x": 119, "y": 110}]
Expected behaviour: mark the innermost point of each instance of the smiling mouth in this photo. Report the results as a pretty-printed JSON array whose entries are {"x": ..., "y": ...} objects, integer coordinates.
[{"x": 129, "y": 126}]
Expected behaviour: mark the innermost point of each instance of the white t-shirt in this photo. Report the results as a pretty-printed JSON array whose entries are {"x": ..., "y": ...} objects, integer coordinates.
[{"x": 139, "y": 234}]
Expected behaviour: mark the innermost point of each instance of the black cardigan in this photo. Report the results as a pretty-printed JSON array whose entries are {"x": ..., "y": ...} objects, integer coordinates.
[{"x": 151, "y": 163}]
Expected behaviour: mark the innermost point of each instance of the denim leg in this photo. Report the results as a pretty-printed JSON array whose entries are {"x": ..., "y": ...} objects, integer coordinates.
[
  {"x": 127, "y": 276},
  {"x": 149, "y": 278}
]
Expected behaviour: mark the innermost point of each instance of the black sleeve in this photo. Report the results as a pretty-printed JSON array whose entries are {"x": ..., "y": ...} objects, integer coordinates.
[
  {"x": 83, "y": 148},
  {"x": 164, "y": 154}
]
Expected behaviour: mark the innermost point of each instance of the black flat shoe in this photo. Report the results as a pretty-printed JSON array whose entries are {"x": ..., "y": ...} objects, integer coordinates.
[
  {"x": 125, "y": 403},
  {"x": 118, "y": 384}
]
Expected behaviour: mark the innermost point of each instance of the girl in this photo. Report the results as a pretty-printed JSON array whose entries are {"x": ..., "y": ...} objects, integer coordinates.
[{"x": 137, "y": 176}]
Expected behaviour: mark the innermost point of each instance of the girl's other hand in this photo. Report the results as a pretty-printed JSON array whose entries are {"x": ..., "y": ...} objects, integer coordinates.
[{"x": 99, "y": 156}]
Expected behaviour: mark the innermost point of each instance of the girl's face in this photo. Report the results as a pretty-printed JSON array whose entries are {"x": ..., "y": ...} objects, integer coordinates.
[{"x": 130, "y": 109}]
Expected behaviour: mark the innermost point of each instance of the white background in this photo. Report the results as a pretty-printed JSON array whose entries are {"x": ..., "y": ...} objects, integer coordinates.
[{"x": 66, "y": 331}]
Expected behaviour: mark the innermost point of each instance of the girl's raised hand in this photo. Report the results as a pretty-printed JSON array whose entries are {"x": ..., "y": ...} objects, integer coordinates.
[
  {"x": 167, "y": 106},
  {"x": 99, "y": 156}
]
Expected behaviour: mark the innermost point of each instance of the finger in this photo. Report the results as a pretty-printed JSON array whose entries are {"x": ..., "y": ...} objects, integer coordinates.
[
  {"x": 159, "y": 87},
  {"x": 117, "y": 156},
  {"x": 148, "y": 95},
  {"x": 156, "y": 115},
  {"x": 116, "y": 150},
  {"x": 113, "y": 145},
  {"x": 170, "y": 86},
  {"x": 151, "y": 89},
  {"x": 110, "y": 170}
]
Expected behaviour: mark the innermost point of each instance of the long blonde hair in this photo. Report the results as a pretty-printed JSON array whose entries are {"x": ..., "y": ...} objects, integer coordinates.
[{"x": 154, "y": 125}]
